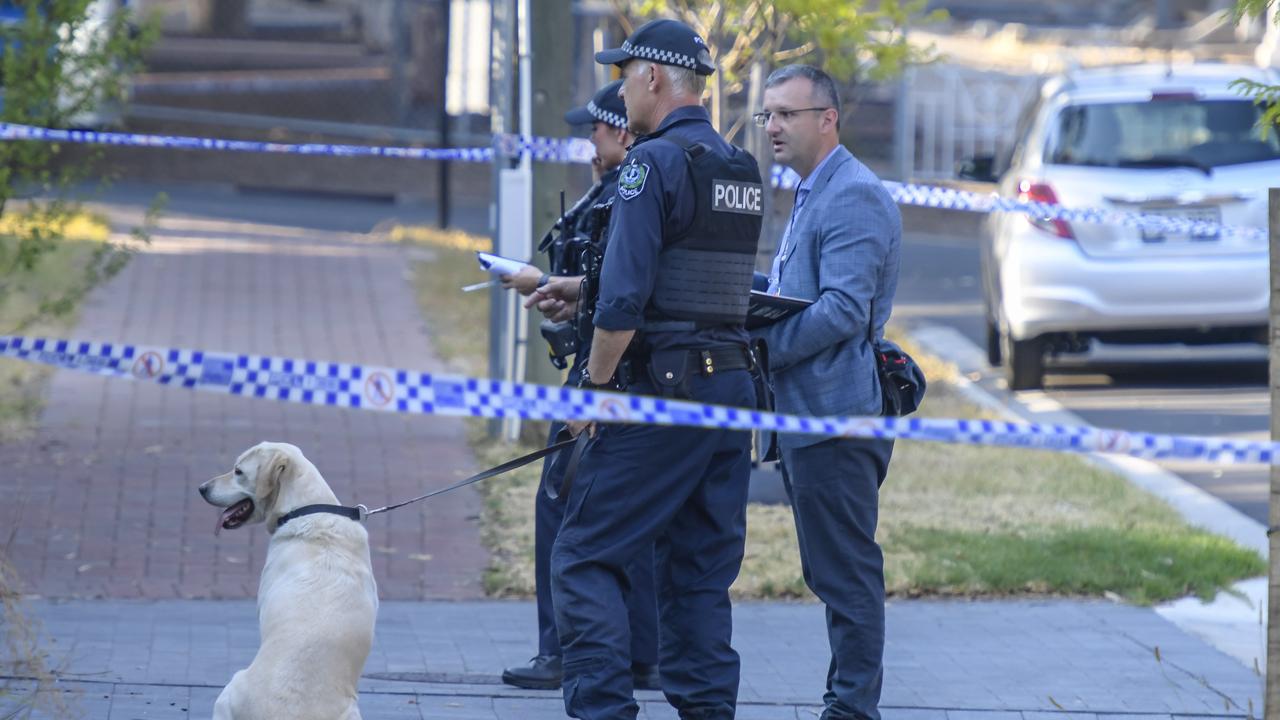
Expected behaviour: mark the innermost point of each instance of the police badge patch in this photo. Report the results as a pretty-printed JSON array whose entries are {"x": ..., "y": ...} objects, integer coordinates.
[{"x": 631, "y": 180}]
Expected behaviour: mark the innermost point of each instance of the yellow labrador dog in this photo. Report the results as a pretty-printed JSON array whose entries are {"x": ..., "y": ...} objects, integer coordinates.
[{"x": 317, "y": 600}]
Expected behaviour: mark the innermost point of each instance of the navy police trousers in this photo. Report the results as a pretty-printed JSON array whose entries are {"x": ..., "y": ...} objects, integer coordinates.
[
  {"x": 642, "y": 599},
  {"x": 687, "y": 490}
]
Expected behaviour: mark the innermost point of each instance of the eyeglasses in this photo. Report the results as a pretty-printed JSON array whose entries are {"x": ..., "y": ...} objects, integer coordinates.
[{"x": 784, "y": 116}]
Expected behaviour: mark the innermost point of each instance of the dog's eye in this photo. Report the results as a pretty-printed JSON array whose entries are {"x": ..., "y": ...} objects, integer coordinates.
[{"x": 239, "y": 472}]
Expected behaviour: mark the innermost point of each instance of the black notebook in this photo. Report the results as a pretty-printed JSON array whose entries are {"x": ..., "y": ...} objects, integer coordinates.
[{"x": 765, "y": 309}]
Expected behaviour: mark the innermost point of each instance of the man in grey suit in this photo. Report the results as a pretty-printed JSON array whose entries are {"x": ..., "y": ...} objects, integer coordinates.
[{"x": 840, "y": 249}]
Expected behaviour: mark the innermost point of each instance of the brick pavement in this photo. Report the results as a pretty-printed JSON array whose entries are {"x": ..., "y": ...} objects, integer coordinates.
[
  {"x": 104, "y": 495},
  {"x": 1009, "y": 660}
]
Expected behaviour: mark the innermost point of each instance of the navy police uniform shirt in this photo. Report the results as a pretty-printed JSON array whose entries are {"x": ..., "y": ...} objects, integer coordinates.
[
  {"x": 655, "y": 201},
  {"x": 608, "y": 188}
]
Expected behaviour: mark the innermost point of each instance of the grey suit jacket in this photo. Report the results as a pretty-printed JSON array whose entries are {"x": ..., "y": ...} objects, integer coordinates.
[{"x": 844, "y": 255}]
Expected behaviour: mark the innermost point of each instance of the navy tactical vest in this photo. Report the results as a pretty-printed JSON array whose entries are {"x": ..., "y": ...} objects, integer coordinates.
[{"x": 704, "y": 275}]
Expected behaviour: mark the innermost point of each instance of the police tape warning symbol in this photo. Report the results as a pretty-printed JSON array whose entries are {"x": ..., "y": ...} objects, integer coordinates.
[
  {"x": 631, "y": 180},
  {"x": 614, "y": 409},
  {"x": 379, "y": 389},
  {"x": 148, "y": 365}
]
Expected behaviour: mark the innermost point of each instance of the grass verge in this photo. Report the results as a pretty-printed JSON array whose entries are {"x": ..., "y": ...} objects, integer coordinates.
[
  {"x": 955, "y": 520},
  {"x": 42, "y": 301}
]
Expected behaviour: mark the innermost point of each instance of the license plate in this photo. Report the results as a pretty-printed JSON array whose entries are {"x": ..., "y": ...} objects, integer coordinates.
[{"x": 1209, "y": 213}]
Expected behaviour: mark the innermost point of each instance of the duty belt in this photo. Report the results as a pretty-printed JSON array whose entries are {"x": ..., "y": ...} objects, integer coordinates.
[
  {"x": 727, "y": 357},
  {"x": 707, "y": 361}
]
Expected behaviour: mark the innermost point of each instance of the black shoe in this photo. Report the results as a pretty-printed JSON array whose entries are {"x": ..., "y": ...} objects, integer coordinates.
[
  {"x": 543, "y": 672},
  {"x": 645, "y": 677}
]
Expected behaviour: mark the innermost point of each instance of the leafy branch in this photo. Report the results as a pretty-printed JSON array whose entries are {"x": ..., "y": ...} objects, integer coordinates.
[
  {"x": 1268, "y": 96},
  {"x": 852, "y": 39},
  {"x": 62, "y": 65},
  {"x": 1264, "y": 94}
]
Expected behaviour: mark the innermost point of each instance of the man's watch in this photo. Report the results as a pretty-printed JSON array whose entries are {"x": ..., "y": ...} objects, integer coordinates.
[{"x": 586, "y": 383}]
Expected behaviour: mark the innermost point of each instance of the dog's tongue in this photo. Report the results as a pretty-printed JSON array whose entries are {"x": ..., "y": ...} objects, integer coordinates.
[{"x": 230, "y": 517}]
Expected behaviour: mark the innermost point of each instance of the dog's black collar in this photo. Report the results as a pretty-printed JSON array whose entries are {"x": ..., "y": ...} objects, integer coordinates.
[{"x": 355, "y": 513}]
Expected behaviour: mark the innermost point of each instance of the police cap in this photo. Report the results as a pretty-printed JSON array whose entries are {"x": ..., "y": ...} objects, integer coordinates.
[
  {"x": 667, "y": 42},
  {"x": 605, "y": 106}
]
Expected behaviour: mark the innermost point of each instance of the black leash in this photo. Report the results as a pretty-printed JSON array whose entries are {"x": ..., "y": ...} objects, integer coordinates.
[
  {"x": 571, "y": 469},
  {"x": 360, "y": 512}
]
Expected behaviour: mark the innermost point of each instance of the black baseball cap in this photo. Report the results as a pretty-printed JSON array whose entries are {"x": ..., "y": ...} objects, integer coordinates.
[
  {"x": 605, "y": 106},
  {"x": 667, "y": 42}
]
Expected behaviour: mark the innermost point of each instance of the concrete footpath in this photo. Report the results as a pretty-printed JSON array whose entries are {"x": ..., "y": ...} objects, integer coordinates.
[{"x": 168, "y": 659}]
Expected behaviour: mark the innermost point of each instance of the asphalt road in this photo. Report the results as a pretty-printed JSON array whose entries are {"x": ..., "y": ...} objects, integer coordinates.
[{"x": 1177, "y": 390}]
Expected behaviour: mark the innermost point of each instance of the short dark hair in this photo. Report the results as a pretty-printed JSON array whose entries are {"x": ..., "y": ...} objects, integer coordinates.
[{"x": 825, "y": 91}]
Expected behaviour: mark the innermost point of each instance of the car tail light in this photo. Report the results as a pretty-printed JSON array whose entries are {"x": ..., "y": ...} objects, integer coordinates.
[{"x": 1031, "y": 191}]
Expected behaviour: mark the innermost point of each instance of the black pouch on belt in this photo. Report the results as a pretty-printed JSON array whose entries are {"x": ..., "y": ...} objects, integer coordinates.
[{"x": 669, "y": 371}]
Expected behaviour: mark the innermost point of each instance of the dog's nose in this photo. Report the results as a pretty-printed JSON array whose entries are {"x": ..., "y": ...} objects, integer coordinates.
[{"x": 204, "y": 491}]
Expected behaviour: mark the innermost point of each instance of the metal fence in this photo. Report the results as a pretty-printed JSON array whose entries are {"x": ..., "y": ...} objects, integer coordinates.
[{"x": 948, "y": 113}]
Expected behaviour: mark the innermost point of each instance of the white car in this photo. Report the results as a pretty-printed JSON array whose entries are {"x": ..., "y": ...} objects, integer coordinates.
[{"x": 1150, "y": 139}]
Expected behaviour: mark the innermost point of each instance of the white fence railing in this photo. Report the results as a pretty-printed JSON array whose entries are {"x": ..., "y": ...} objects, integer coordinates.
[{"x": 949, "y": 113}]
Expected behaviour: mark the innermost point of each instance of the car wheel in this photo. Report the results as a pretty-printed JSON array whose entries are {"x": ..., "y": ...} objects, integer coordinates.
[
  {"x": 993, "y": 344},
  {"x": 1024, "y": 362}
]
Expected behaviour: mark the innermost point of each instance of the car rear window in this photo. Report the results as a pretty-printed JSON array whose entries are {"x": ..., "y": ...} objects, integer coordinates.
[{"x": 1162, "y": 133}]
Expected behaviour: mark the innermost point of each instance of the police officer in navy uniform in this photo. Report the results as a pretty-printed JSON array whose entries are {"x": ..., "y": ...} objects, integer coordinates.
[
  {"x": 669, "y": 322},
  {"x": 571, "y": 252}
]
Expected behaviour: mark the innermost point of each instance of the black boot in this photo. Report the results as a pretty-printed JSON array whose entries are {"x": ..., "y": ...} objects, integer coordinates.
[
  {"x": 543, "y": 672},
  {"x": 645, "y": 676}
]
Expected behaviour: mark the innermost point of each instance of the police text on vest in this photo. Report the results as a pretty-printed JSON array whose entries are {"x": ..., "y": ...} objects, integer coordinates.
[{"x": 736, "y": 197}]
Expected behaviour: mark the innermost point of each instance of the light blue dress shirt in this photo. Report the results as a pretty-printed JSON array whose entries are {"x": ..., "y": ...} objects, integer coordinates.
[{"x": 784, "y": 247}]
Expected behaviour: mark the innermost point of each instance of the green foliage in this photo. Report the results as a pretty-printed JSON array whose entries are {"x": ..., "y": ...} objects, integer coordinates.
[
  {"x": 1250, "y": 8},
  {"x": 64, "y": 65},
  {"x": 1263, "y": 94},
  {"x": 851, "y": 39}
]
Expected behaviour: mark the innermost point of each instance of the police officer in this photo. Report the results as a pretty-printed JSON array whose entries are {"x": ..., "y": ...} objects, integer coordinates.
[
  {"x": 606, "y": 115},
  {"x": 571, "y": 252},
  {"x": 669, "y": 321}
]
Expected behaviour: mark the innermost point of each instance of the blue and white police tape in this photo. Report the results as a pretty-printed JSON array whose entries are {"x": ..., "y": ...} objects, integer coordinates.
[
  {"x": 417, "y": 393},
  {"x": 952, "y": 199},
  {"x": 567, "y": 150},
  {"x": 10, "y": 131},
  {"x": 578, "y": 150}
]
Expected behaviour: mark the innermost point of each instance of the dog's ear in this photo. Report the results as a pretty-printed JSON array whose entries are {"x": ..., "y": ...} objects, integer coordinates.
[{"x": 270, "y": 476}]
